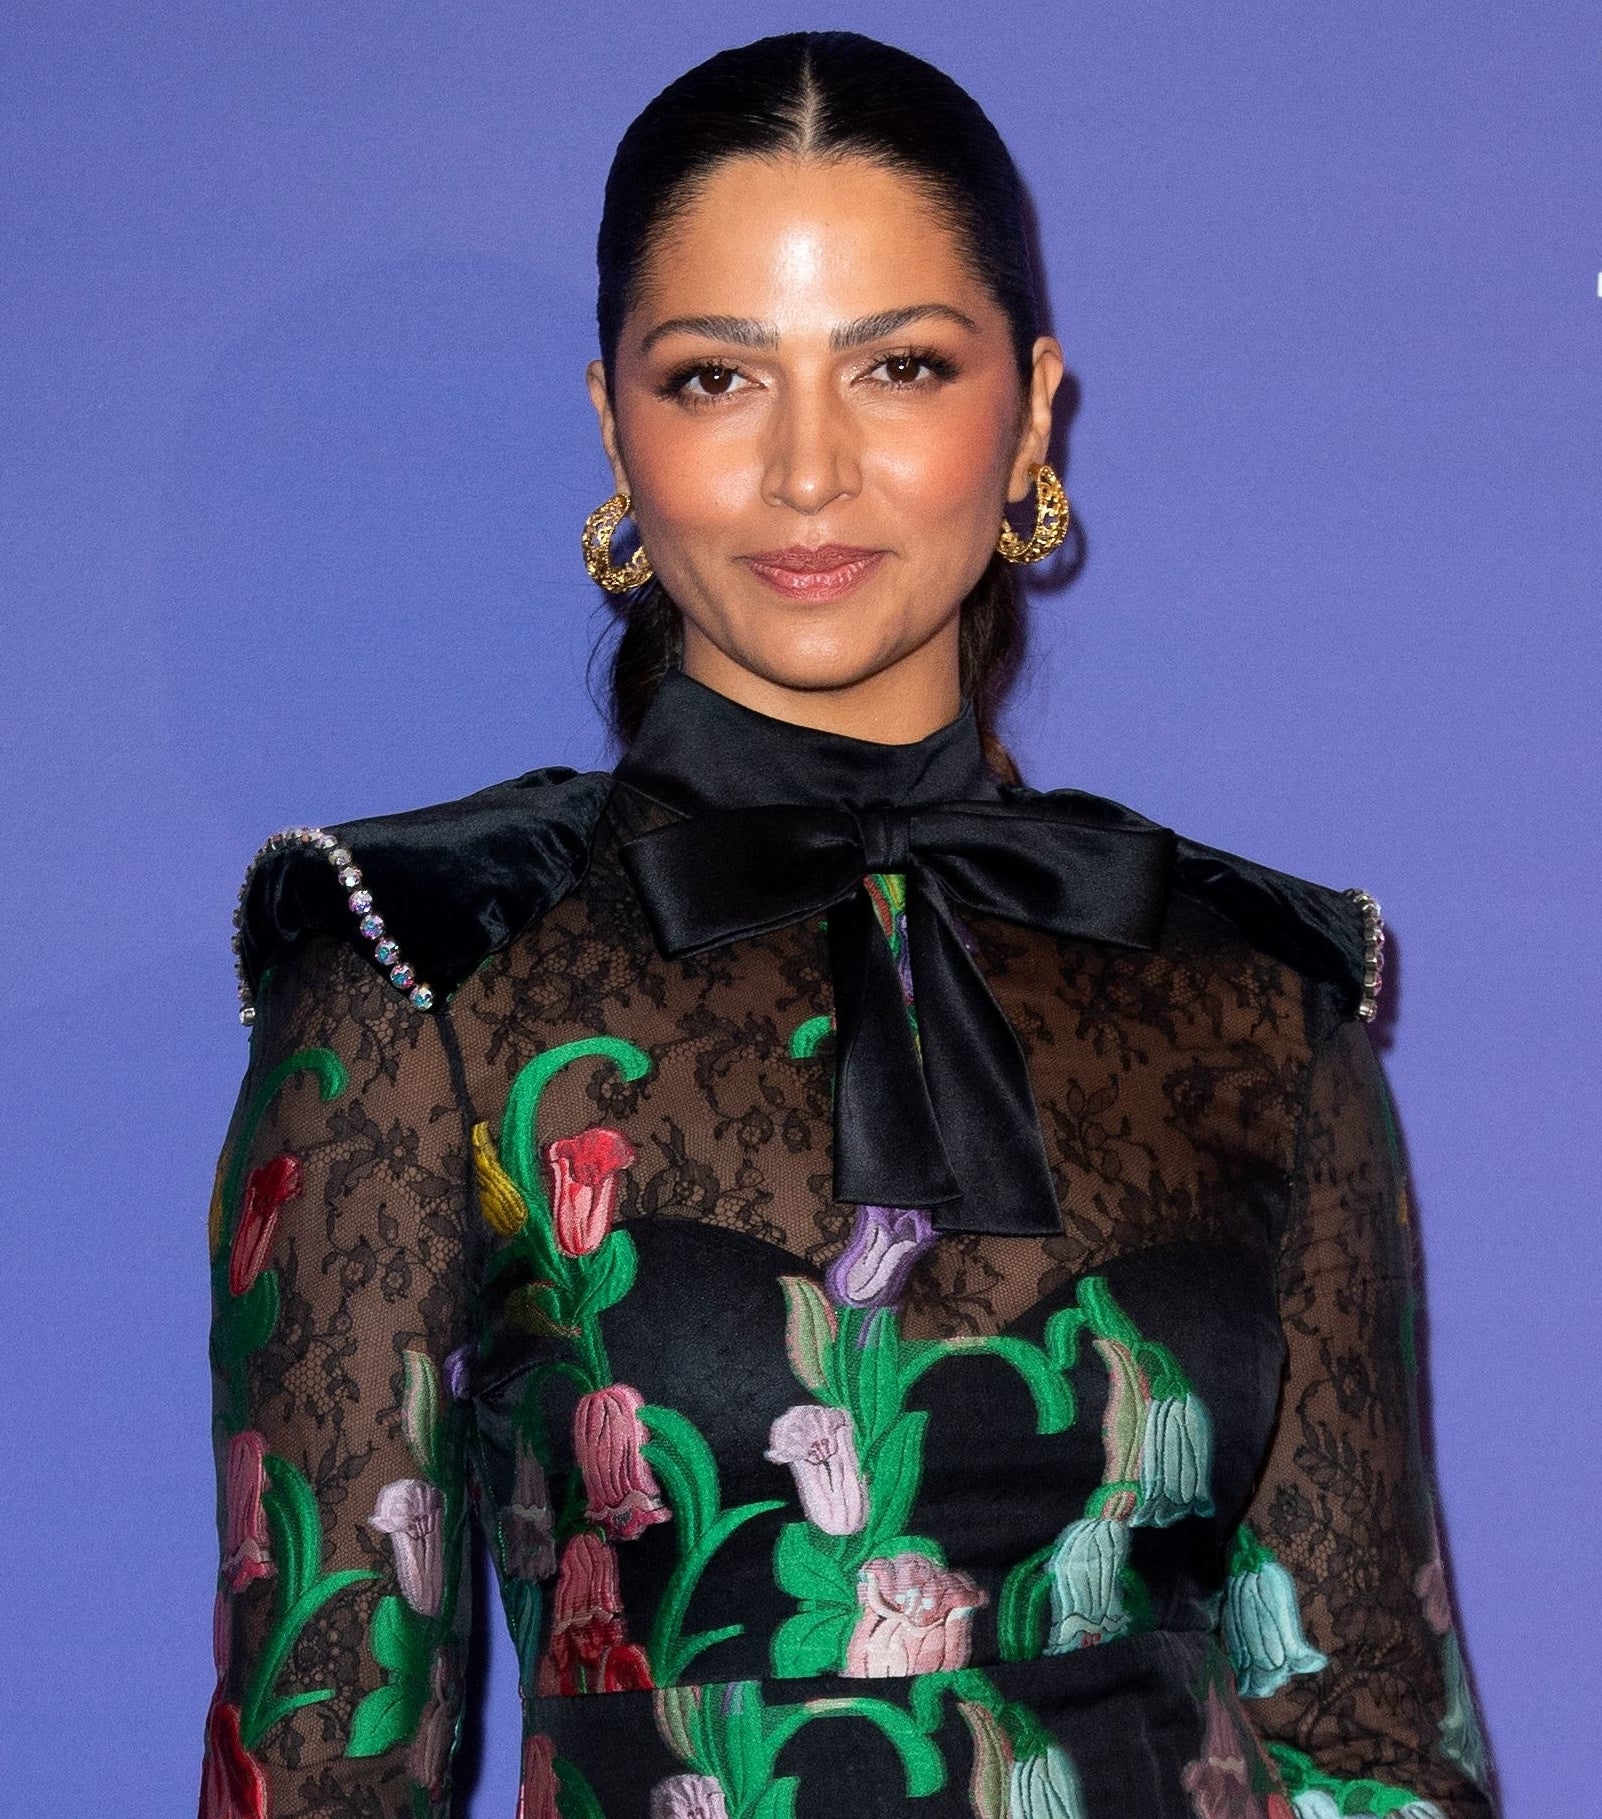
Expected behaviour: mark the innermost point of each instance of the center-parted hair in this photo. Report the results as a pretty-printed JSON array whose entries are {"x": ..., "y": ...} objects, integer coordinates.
[{"x": 824, "y": 95}]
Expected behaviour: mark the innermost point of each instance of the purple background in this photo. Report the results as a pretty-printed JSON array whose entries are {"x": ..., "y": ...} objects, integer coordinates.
[{"x": 297, "y": 300}]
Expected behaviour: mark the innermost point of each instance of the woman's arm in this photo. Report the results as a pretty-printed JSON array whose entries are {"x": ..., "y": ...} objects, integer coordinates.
[
  {"x": 340, "y": 1277},
  {"x": 1336, "y": 1615}
]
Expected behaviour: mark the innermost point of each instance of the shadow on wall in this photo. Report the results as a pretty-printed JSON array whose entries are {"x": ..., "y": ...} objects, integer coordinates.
[{"x": 369, "y": 546}]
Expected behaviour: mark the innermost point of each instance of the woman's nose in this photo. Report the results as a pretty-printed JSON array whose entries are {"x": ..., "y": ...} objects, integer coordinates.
[{"x": 812, "y": 458}]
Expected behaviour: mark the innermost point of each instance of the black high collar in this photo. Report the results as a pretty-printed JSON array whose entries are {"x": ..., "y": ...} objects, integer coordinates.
[{"x": 698, "y": 750}]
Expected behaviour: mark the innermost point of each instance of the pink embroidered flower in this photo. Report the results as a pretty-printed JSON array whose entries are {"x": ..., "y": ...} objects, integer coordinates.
[
  {"x": 589, "y": 1650},
  {"x": 246, "y": 1554},
  {"x": 916, "y": 1617},
  {"x": 267, "y": 1192},
  {"x": 873, "y": 1268},
  {"x": 1219, "y": 1781},
  {"x": 232, "y": 1784},
  {"x": 584, "y": 1171},
  {"x": 1429, "y": 1586},
  {"x": 820, "y": 1448},
  {"x": 222, "y": 1632},
  {"x": 429, "y": 1756},
  {"x": 527, "y": 1521},
  {"x": 688, "y": 1797},
  {"x": 409, "y": 1512},
  {"x": 536, "y": 1798},
  {"x": 620, "y": 1488}
]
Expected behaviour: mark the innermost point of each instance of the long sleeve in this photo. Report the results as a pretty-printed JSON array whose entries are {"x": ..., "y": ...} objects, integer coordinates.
[
  {"x": 340, "y": 1274},
  {"x": 1336, "y": 1614}
]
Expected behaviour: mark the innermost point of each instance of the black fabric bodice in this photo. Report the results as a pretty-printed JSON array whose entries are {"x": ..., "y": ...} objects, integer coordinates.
[{"x": 802, "y": 1502}]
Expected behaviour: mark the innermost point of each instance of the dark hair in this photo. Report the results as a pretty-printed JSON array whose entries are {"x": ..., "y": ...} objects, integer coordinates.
[{"x": 830, "y": 95}]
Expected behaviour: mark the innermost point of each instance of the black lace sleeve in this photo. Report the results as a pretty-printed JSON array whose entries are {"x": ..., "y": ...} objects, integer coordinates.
[
  {"x": 340, "y": 1273},
  {"x": 1337, "y": 1615}
]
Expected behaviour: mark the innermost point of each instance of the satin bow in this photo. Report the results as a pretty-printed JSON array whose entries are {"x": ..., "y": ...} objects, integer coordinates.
[{"x": 945, "y": 1120}]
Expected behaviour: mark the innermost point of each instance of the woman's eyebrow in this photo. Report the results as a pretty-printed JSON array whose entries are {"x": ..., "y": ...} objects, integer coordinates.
[{"x": 744, "y": 331}]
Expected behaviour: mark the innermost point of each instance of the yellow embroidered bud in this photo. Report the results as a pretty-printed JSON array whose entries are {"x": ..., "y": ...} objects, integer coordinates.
[
  {"x": 214, "y": 1216},
  {"x": 503, "y": 1207}
]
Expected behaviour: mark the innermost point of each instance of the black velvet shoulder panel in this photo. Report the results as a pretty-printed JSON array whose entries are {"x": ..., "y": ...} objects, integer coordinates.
[
  {"x": 1318, "y": 931},
  {"x": 454, "y": 882}
]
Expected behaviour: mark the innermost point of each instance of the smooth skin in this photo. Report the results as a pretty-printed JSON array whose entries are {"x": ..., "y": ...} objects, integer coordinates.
[{"x": 811, "y": 362}]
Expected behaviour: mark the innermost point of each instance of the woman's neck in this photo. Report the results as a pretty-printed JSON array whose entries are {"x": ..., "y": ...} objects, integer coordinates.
[{"x": 898, "y": 705}]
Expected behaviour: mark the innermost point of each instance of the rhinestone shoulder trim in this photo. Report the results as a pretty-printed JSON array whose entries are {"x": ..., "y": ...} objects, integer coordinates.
[
  {"x": 1373, "y": 952},
  {"x": 358, "y": 899}
]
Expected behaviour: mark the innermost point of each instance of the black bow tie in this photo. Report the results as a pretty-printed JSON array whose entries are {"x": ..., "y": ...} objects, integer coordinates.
[{"x": 945, "y": 1120}]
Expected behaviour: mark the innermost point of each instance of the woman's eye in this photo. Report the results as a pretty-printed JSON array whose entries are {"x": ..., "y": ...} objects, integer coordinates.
[
  {"x": 909, "y": 369},
  {"x": 710, "y": 381}
]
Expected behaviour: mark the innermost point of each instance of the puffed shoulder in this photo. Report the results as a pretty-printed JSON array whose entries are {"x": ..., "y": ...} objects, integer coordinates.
[
  {"x": 429, "y": 894},
  {"x": 1333, "y": 936}
]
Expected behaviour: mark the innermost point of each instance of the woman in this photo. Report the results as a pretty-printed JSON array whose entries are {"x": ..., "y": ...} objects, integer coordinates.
[{"x": 912, "y": 1272}]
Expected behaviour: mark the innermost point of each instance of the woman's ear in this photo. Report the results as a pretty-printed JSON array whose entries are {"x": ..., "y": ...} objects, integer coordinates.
[
  {"x": 595, "y": 379},
  {"x": 1035, "y": 434}
]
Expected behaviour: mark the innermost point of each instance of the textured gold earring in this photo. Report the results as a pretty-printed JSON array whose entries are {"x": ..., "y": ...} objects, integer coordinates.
[
  {"x": 1051, "y": 521},
  {"x": 599, "y": 529}
]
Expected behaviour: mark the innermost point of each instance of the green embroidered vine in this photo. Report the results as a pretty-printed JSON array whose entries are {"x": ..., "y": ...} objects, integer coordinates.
[
  {"x": 729, "y": 1733},
  {"x": 566, "y": 1299},
  {"x": 856, "y": 1360},
  {"x": 408, "y": 1634},
  {"x": 1302, "y": 1776},
  {"x": 302, "y": 1589},
  {"x": 242, "y": 1324},
  {"x": 689, "y": 1475}
]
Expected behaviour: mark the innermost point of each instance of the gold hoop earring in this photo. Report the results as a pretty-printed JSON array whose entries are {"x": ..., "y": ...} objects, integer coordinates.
[
  {"x": 599, "y": 529},
  {"x": 1051, "y": 521}
]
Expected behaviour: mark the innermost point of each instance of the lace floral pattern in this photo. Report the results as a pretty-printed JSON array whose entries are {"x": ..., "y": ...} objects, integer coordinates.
[{"x": 748, "y": 1453}]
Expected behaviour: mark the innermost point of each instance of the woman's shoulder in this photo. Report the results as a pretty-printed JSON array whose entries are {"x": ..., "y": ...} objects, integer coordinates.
[
  {"x": 426, "y": 894},
  {"x": 1334, "y": 936}
]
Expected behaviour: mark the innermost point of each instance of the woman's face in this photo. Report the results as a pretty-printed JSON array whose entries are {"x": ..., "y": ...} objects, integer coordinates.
[{"x": 818, "y": 414}]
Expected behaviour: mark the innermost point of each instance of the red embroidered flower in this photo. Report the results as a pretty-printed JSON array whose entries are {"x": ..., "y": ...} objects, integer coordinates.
[
  {"x": 232, "y": 1784},
  {"x": 246, "y": 1545},
  {"x": 589, "y": 1650},
  {"x": 584, "y": 1171},
  {"x": 268, "y": 1190},
  {"x": 621, "y": 1491}
]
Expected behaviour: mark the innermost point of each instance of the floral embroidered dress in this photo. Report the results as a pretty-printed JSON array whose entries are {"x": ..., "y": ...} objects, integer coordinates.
[{"x": 1003, "y": 1408}]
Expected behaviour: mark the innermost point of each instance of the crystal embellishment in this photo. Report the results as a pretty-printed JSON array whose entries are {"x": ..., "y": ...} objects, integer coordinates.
[
  {"x": 1373, "y": 953},
  {"x": 386, "y": 950}
]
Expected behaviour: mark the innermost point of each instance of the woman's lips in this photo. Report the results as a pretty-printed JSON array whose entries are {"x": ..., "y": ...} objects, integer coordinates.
[{"x": 823, "y": 573}]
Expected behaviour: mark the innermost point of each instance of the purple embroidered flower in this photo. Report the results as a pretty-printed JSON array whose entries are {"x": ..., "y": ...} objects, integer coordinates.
[
  {"x": 429, "y": 1756},
  {"x": 246, "y": 1546},
  {"x": 820, "y": 1448},
  {"x": 873, "y": 1268},
  {"x": 527, "y": 1522},
  {"x": 459, "y": 1371},
  {"x": 409, "y": 1512},
  {"x": 689, "y": 1797},
  {"x": 621, "y": 1491}
]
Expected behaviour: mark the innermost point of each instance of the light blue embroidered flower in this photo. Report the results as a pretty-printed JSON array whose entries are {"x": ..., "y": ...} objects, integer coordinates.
[
  {"x": 1044, "y": 1787},
  {"x": 1087, "y": 1603},
  {"x": 1317, "y": 1803},
  {"x": 1176, "y": 1462},
  {"x": 1461, "y": 1739},
  {"x": 1262, "y": 1623}
]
